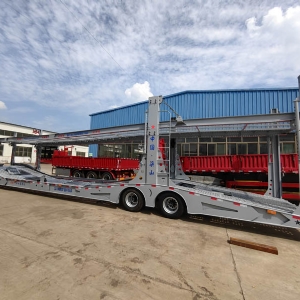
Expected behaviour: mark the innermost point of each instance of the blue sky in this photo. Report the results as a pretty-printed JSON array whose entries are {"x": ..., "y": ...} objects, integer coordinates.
[{"x": 62, "y": 60}]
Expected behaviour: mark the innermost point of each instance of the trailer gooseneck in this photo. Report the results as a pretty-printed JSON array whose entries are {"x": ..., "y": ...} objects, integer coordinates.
[{"x": 155, "y": 186}]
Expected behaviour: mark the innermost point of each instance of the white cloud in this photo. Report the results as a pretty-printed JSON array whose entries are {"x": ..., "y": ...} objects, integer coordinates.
[
  {"x": 139, "y": 92},
  {"x": 274, "y": 44},
  {"x": 2, "y": 105},
  {"x": 277, "y": 25}
]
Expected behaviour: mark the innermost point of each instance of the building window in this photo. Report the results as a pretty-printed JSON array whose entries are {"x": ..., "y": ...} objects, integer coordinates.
[
  {"x": 203, "y": 149},
  {"x": 237, "y": 149},
  {"x": 193, "y": 149},
  {"x": 106, "y": 150},
  {"x": 211, "y": 149},
  {"x": 7, "y": 133},
  {"x": 251, "y": 139},
  {"x": 191, "y": 140},
  {"x": 234, "y": 139},
  {"x": 221, "y": 149},
  {"x": 219, "y": 140},
  {"x": 47, "y": 152},
  {"x": 263, "y": 139},
  {"x": 186, "y": 149},
  {"x": 263, "y": 148},
  {"x": 24, "y": 151},
  {"x": 231, "y": 149},
  {"x": 205, "y": 140},
  {"x": 122, "y": 151},
  {"x": 128, "y": 151},
  {"x": 12, "y": 133},
  {"x": 252, "y": 148},
  {"x": 78, "y": 153},
  {"x": 1, "y": 150},
  {"x": 287, "y": 138},
  {"x": 287, "y": 148},
  {"x": 242, "y": 149}
]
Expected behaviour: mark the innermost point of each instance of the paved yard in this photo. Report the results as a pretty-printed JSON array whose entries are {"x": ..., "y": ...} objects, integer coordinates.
[{"x": 57, "y": 249}]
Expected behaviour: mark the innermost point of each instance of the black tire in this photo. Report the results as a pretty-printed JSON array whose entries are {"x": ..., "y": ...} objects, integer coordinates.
[
  {"x": 171, "y": 205},
  {"x": 133, "y": 200},
  {"x": 78, "y": 174},
  {"x": 91, "y": 175},
  {"x": 107, "y": 176}
]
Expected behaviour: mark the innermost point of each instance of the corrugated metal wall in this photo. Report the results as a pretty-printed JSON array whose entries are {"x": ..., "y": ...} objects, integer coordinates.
[
  {"x": 203, "y": 104},
  {"x": 213, "y": 104},
  {"x": 131, "y": 114}
]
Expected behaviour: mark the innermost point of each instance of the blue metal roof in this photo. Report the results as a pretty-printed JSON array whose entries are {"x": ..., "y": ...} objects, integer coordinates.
[{"x": 203, "y": 104}]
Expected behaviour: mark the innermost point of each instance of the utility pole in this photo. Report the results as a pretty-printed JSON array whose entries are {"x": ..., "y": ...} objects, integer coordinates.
[{"x": 298, "y": 128}]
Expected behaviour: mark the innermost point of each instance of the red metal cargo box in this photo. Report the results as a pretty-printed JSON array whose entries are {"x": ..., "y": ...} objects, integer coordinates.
[
  {"x": 220, "y": 163},
  {"x": 237, "y": 163},
  {"x": 60, "y": 159}
]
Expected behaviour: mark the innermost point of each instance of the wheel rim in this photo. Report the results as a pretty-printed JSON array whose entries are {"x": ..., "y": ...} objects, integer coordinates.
[
  {"x": 131, "y": 199},
  {"x": 170, "y": 205},
  {"x": 106, "y": 177},
  {"x": 77, "y": 174},
  {"x": 92, "y": 175}
]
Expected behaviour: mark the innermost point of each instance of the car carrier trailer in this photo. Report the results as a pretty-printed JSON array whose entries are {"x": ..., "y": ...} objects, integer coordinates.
[{"x": 155, "y": 186}]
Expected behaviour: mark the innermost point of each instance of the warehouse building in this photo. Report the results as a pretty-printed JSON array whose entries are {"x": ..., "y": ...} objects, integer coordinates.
[{"x": 204, "y": 105}]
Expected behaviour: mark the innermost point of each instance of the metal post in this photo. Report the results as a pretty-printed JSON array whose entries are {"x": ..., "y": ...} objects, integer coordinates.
[
  {"x": 277, "y": 180},
  {"x": 172, "y": 157},
  {"x": 13, "y": 151},
  {"x": 269, "y": 191},
  {"x": 274, "y": 165},
  {"x": 154, "y": 162},
  {"x": 145, "y": 132},
  {"x": 296, "y": 105},
  {"x": 38, "y": 155},
  {"x": 298, "y": 129}
]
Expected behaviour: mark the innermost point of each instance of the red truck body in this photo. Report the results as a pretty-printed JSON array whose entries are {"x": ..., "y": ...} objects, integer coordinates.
[
  {"x": 95, "y": 167},
  {"x": 218, "y": 166},
  {"x": 237, "y": 163},
  {"x": 246, "y": 172}
]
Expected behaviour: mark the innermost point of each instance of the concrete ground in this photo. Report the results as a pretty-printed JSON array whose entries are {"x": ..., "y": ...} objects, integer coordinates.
[{"x": 56, "y": 249}]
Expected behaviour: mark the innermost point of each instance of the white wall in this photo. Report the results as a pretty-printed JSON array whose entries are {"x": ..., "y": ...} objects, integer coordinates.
[{"x": 7, "y": 149}]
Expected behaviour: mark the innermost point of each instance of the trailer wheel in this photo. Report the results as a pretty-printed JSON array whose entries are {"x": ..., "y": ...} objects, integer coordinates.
[
  {"x": 91, "y": 175},
  {"x": 171, "y": 205},
  {"x": 133, "y": 200},
  {"x": 107, "y": 176},
  {"x": 78, "y": 174}
]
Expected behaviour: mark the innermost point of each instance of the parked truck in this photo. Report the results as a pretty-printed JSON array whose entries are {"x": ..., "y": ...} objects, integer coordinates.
[
  {"x": 106, "y": 168},
  {"x": 247, "y": 172}
]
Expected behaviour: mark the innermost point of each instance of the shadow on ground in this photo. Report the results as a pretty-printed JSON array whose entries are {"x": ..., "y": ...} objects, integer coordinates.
[{"x": 263, "y": 229}]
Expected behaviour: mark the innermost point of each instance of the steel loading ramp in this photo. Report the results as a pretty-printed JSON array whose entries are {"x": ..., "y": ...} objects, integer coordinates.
[{"x": 244, "y": 198}]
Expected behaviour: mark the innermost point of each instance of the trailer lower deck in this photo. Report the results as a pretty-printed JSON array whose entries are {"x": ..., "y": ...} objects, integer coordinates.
[{"x": 188, "y": 196}]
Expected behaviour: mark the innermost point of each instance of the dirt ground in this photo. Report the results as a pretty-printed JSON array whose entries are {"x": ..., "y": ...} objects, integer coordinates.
[{"x": 56, "y": 249}]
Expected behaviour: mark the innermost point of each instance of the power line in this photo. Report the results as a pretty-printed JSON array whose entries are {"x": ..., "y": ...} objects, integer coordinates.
[{"x": 91, "y": 34}]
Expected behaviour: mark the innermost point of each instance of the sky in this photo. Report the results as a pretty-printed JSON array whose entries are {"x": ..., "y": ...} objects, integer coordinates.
[{"x": 62, "y": 60}]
